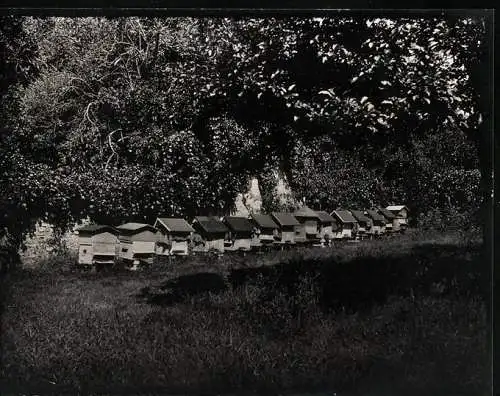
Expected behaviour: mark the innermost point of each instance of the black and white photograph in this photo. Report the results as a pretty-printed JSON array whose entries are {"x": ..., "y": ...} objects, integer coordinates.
[{"x": 246, "y": 203}]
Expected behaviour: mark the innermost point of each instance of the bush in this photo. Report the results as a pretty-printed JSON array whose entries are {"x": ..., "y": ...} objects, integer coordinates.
[
  {"x": 447, "y": 219},
  {"x": 465, "y": 225},
  {"x": 61, "y": 260}
]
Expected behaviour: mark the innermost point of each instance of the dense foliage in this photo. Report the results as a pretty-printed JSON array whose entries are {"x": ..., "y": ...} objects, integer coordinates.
[{"x": 126, "y": 118}]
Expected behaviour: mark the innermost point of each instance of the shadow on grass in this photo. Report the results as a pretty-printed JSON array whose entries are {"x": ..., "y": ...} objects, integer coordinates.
[
  {"x": 351, "y": 285},
  {"x": 182, "y": 288}
]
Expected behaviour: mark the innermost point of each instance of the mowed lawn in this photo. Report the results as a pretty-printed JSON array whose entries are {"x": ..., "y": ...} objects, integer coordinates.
[{"x": 377, "y": 317}]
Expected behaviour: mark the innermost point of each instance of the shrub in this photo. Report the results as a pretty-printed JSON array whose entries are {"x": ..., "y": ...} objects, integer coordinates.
[{"x": 448, "y": 218}]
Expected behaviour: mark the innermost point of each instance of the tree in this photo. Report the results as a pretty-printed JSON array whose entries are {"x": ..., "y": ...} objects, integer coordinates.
[
  {"x": 116, "y": 101},
  {"x": 16, "y": 69},
  {"x": 193, "y": 107}
]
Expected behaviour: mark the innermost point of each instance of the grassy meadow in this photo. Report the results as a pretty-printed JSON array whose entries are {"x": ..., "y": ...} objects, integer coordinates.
[{"x": 401, "y": 315}]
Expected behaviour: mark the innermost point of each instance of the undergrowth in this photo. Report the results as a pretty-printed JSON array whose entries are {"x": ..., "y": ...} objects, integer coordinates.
[{"x": 351, "y": 320}]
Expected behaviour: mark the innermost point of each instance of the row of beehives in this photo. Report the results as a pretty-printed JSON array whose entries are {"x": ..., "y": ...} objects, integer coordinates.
[{"x": 137, "y": 242}]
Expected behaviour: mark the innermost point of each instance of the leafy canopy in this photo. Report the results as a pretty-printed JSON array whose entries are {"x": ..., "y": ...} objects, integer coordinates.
[{"x": 128, "y": 118}]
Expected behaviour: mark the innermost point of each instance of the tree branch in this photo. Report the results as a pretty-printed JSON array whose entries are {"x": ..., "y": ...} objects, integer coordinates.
[
  {"x": 87, "y": 114},
  {"x": 113, "y": 153}
]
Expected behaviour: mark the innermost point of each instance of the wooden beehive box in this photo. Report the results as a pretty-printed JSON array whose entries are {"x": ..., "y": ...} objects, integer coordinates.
[
  {"x": 138, "y": 242},
  {"x": 209, "y": 234},
  {"x": 390, "y": 218},
  {"x": 265, "y": 230},
  {"x": 364, "y": 223},
  {"x": 288, "y": 226},
  {"x": 328, "y": 226},
  {"x": 309, "y": 229},
  {"x": 174, "y": 236},
  {"x": 346, "y": 222},
  {"x": 97, "y": 244},
  {"x": 400, "y": 223},
  {"x": 378, "y": 222},
  {"x": 239, "y": 237}
]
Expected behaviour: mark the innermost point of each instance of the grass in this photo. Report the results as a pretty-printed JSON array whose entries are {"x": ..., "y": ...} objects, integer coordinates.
[{"x": 377, "y": 317}]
